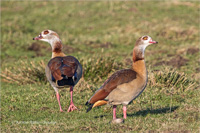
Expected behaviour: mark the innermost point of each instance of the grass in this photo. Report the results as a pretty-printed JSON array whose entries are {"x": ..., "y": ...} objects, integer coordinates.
[{"x": 101, "y": 35}]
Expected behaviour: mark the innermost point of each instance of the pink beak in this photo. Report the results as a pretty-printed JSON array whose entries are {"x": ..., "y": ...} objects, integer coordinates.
[
  {"x": 38, "y": 38},
  {"x": 153, "y": 42}
]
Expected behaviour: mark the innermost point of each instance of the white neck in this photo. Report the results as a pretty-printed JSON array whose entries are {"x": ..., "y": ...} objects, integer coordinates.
[
  {"x": 142, "y": 49},
  {"x": 54, "y": 41}
]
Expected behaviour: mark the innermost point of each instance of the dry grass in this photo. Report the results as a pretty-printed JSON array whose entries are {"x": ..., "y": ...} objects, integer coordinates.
[
  {"x": 171, "y": 78},
  {"x": 27, "y": 73},
  {"x": 96, "y": 69}
]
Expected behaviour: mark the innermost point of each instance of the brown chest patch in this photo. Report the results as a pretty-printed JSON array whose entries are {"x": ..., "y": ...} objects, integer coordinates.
[{"x": 139, "y": 67}]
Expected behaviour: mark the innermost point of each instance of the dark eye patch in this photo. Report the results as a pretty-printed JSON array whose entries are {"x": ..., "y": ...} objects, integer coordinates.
[
  {"x": 46, "y": 32},
  {"x": 145, "y": 38}
]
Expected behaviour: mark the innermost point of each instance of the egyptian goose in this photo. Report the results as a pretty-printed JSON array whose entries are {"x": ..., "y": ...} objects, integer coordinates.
[
  {"x": 125, "y": 85},
  {"x": 61, "y": 71}
]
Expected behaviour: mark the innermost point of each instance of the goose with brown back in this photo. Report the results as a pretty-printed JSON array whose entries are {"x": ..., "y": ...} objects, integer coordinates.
[
  {"x": 61, "y": 71},
  {"x": 124, "y": 85}
]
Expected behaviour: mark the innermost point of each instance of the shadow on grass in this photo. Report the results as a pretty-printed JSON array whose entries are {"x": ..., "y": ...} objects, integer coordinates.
[
  {"x": 101, "y": 116},
  {"x": 148, "y": 111},
  {"x": 154, "y": 111}
]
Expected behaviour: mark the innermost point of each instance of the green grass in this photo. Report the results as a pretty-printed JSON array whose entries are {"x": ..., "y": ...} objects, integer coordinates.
[{"x": 101, "y": 35}]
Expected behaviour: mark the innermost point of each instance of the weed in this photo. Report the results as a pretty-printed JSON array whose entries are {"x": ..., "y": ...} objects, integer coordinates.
[
  {"x": 27, "y": 73},
  {"x": 95, "y": 69},
  {"x": 171, "y": 78}
]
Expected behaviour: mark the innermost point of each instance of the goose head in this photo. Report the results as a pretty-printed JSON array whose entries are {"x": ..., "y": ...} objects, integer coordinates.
[{"x": 48, "y": 36}]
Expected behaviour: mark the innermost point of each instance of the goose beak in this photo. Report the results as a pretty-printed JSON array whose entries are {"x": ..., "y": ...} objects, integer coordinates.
[
  {"x": 38, "y": 38},
  {"x": 152, "y": 42}
]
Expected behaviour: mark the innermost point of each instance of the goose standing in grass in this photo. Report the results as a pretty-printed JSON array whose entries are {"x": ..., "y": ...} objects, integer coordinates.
[
  {"x": 125, "y": 85},
  {"x": 61, "y": 71}
]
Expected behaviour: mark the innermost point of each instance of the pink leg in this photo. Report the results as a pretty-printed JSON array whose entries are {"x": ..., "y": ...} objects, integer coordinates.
[
  {"x": 124, "y": 111},
  {"x": 114, "y": 112},
  {"x": 72, "y": 107},
  {"x": 58, "y": 98}
]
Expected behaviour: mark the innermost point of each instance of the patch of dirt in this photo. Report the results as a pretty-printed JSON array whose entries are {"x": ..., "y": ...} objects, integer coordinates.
[
  {"x": 192, "y": 50},
  {"x": 170, "y": 55},
  {"x": 198, "y": 70},
  {"x": 34, "y": 47},
  {"x": 11, "y": 42},
  {"x": 159, "y": 58},
  {"x": 37, "y": 48},
  {"x": 160, "y": 63},
  {"x": 44, "y": 108},
  {"x": 177, "y": 61},
  {"x": 187, "y": 50},
  {"x": 68, "y": 49},
  {"x": 132, "y": 9}
]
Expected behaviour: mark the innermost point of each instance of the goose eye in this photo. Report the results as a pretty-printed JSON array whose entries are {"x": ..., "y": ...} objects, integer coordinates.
[
  {"x": 145, "y": 38},
  {"x": 46, "y": 32}
]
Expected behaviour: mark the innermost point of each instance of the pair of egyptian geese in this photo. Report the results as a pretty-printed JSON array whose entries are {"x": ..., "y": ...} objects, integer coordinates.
[{"x": 122, "y": 87}]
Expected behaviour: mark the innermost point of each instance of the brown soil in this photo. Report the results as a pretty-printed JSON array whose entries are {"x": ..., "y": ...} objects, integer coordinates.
[
  {"x": 132, "y": 9},
  {"x": 160, "y": 63},
  {"x": 170, "y": 55},
  {"x": 177, "y": 61},
  {"x": 192, "y": 50},
  {"x": 44, "y": 108},
  {"x": 68, "y": 49},
  {"x": 197, "y": 70},
  {"x": 37, "y": 48}
]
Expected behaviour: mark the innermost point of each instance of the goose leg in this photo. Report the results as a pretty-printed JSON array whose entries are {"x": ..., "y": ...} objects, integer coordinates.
[
  {"x": 124, "y": 111},
  {"x": 114, "y": 112},
  {"x": 58, "y": 98},
  {"x": 72, "y": 107},
  {"x": 115, "y": 119}
]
